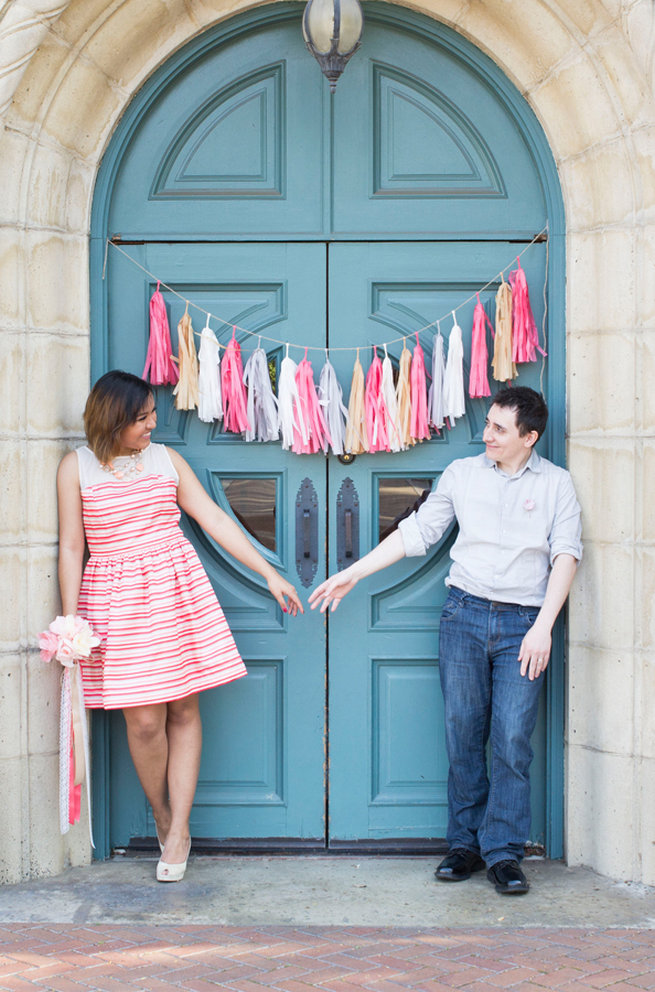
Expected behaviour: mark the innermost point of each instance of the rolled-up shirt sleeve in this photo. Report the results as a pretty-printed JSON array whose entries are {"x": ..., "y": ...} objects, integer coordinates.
[
  {"x": 566, "y": 533},
  {"x": 426, "y": 526}
]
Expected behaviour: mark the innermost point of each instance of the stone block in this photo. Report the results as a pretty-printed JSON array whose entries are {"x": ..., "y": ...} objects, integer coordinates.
[
  {"x": 605, "y": 484},
  {"x": 526, "y": 56},
  {"x": 601, "y": 378},
  {"x": 14, "y": 148},
  {"x": 646, "y": 775},
  {"x": 574, "y": 122},
  {"x": 602, "y": 813},
  {"x": 599, "y": 187},
  {"x": 43, "y": 603},
  {"x": 645, "y": 267},
  {"x": 12, "y": 394},
  {"x": 645, "y": 713},
  {"x": 12, "y": 774},
  {"x": 625, "y": 77},
  {"x": 58, "y": 384},
  {"x": 602, "y": 599},
  {"x": 599, "y": 262},
  {"x": 39, "y": 84},
  {"x": 48, "y": 179},
  {"x": 79, "y": 194},
  {"x": 645, "y": 597},
  {"x": 47, "y": 847},
  {"x": 42, "y": 461},
  {"x": 58, "y": 283},
  {"x": 601, "y": 700},
  {"x": 136, "y": 37},
  {"x": 13, "y": 582},
  {"x": 81, "y": 107},
  {"x": 12, "y": 492},
  {"x": 11, "y": 706},
  {"x": 12, "y": 280},
  {"x": 645, "y": 504},
  {"x": 43, "y": 705}
]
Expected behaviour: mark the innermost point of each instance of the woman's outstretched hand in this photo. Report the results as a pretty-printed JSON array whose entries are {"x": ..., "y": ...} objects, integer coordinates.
[
  {"x": 333, "y": 590},
  {"x": 285, "y": 594}
]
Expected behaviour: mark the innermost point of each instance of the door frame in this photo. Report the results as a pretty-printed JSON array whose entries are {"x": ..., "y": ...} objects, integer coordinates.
[{"x": 424, "y": 27}]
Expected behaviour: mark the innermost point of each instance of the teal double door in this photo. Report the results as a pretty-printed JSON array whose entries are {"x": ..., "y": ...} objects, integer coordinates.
[{"x": 327, "y": 223}]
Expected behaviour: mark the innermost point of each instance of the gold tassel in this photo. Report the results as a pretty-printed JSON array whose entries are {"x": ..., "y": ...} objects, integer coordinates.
[
  {"x": 502, "y": 364},
  {"x": 356, "y": 441},
  {"x": 404, "y": 398},
  {"x": 186, "y": 391}
]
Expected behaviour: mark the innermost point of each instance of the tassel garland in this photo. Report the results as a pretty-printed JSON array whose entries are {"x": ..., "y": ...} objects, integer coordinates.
[
  {"x": 330, "y": 396},
  {"x": 503, "y": 367},
  {"x": 419, "y": 401},
  {"x": 235, "y": 417},
  {"x": 404, "y": 398},
  {"x": 356, "y": 438},
  {"x": 159, "y": 360},
  {"x": 210, "y": 403},
  {"x": 390, "y": 402},
  {"x": 315, "y": 436},
  {"x": 287, "y": 401},
  {"x": 262, "y": 404},
  {"x": 186, "y": 391},
  {"x": 435, "y": 395},
  {"x": 478, "y": 381},
  {"x": 453, "y": 384},
  {"x": 525, "y": 338},
  {"x": 376, "y": 411}
]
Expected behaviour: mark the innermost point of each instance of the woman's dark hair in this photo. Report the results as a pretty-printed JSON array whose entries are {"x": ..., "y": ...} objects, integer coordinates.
[
  {"x": 114, "y": 403},
  {"x": 530, "y": 406}
]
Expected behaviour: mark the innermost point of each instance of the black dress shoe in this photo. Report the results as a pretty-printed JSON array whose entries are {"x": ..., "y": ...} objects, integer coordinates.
[
  {"x": 458, "y": 865},
  {"x": 508, "y": 878}
]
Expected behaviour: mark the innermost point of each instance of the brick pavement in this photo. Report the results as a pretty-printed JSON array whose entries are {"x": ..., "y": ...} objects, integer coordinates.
[{"x": 117, "y": 958}]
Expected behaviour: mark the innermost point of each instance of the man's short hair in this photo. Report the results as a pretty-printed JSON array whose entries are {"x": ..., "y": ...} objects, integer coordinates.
[{"x": 530, "y": 406}]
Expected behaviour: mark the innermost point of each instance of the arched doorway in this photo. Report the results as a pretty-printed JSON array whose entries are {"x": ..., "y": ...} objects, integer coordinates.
[{"x": 235, "y": 179}]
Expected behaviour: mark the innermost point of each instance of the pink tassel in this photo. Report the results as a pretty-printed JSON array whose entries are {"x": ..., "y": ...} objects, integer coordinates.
[
  {"x": 419, "y": 428},
  {"x": 525, "y": 338},
  {"x": 316, "y": 436},
  {"x": 376, "y": 412},
  {"x": 235, "y": 417},
  {"x": 478, "y": 381},
  {"x": 159, "y": 361}
]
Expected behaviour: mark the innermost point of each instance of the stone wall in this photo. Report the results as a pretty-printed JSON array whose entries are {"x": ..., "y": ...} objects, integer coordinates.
[{"x": 67, "y": 70}]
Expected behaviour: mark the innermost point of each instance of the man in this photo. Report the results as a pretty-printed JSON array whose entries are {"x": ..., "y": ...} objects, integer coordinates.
[{"x": 514, "y": 560}]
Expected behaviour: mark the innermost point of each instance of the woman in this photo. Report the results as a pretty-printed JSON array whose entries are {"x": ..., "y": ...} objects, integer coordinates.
[{"x": 163, "y": 635}]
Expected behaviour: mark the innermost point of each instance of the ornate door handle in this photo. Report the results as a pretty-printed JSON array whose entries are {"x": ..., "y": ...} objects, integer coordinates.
[
  {"x": 347, "y": 524},
  {"x": 306, "y": 532}
]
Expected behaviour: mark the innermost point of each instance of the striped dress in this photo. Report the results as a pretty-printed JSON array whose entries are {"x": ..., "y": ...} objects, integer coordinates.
[{"x": 162, "y": 631}]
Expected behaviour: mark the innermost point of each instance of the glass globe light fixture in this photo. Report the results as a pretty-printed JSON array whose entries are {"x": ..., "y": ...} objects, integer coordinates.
[{"x": 332, "y": 30}]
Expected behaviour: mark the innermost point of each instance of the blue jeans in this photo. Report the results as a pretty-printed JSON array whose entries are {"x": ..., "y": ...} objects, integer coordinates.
[{"x": 487, "y": 699}]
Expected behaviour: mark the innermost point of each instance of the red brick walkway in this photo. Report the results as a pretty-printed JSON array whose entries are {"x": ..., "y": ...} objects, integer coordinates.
[{"x": 350, "y": 959}]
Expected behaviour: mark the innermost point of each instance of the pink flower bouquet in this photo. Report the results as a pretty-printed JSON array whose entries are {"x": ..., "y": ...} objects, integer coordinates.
[{"x": 67, "y": 639}]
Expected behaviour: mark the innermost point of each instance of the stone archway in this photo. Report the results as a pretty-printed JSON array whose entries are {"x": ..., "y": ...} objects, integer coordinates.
[{"x": 68, "y": 70}]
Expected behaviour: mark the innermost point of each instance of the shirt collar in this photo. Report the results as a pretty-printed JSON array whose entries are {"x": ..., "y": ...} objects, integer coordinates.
[{"x": 533, "y": 463}]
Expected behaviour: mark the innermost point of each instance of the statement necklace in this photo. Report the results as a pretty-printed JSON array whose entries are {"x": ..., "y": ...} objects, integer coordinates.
[{"x": 134, "y": 465}]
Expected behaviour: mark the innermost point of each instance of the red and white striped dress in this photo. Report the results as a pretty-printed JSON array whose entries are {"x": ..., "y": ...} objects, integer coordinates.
[{"x": 163, "y": 634}]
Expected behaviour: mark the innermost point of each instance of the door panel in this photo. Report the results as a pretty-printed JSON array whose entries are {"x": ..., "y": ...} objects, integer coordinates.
[
  {"x": 388, "y": 770},
  {"x": 262, "y": 772}
]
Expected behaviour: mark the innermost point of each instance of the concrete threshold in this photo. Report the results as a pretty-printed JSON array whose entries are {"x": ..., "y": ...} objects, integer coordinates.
[{"x": 341, "y": 890}]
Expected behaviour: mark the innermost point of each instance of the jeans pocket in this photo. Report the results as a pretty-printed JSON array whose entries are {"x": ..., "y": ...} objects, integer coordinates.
[{"x": 452, "y": 606}]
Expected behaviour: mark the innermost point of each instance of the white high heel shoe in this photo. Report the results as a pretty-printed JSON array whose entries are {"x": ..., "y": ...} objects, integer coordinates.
[{"x": 172, "y": 873}]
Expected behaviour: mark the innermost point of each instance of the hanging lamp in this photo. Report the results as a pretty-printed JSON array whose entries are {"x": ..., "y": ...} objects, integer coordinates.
[{"x": 332, "y": 30}]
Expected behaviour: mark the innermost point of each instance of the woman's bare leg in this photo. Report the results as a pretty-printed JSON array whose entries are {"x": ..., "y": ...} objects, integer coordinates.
[
  {"x": 165, "y": 742},
  {"x": 184, "y": 731},
  {"x": 148, "y": 742}
]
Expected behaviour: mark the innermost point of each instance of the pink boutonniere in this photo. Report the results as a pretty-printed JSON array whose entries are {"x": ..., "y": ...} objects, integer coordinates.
[{"x": 529, "y": 505}]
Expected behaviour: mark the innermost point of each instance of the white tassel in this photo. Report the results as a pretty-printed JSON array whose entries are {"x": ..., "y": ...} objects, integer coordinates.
[
  {"x": 262, "y": 404},
  {"x": 435, "y": 394},
  {"x": 391, "y": 402},
  {"x": 210, "y": 403},
  {"x": 330, "y": 396},
  {"x": 287, "y": 401},
  {"x": 453, "y": 386}
]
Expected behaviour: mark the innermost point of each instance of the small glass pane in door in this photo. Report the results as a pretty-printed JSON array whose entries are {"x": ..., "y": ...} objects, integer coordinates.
[
  {"x": 397, "y": 498},
  {"x": 253, "y": 504}
]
